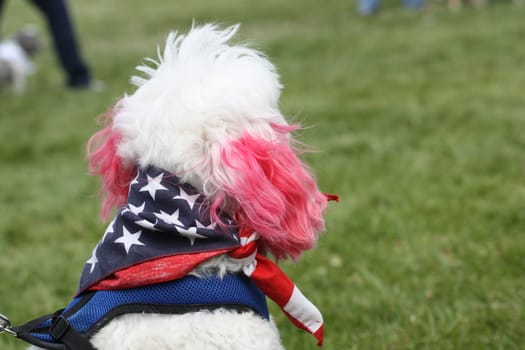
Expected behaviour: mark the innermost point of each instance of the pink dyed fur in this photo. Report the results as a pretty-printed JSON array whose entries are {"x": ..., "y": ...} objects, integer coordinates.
[
  {"x": 104, "y": 162},
  {"x": 273, "y": 192},
  {"x": 263, "y": 183}
]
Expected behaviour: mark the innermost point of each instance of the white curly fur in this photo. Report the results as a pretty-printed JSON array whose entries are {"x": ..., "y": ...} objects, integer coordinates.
[
  {"x": 218, "y": 330},
  {"x": 201, "y": 93},
  {"x": 213, "y": 330}
]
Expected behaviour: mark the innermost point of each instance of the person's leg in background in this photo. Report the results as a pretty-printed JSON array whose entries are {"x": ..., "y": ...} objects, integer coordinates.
[
  {"x": 65, "y": 41},
  {"x": 414, "y": 4},
  {"x": 367, "y": 7},
  {"x": 1, "y": 12}
]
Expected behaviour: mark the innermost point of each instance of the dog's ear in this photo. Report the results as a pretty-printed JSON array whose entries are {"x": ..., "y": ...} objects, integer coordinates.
[
  {"x": 116, "y": 175},
  {"x": 271, "y": 191}
]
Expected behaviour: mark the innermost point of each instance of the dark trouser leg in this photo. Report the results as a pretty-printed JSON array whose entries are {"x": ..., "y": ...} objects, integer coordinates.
[
  {"x": 1, "y": 12},
  {"x": 65, "y": 42}
]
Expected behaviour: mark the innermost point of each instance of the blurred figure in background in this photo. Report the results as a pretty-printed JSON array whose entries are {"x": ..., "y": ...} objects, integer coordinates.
[
  {"x": 456, "y": 5},
  {"x": 65, "y": 42},
  {"x": 370, "y": 7},
  {"x": 16, "y": 59}
]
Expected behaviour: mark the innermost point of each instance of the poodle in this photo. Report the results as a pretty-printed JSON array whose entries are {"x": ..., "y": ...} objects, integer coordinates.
[{"x": 207, "y": 183}]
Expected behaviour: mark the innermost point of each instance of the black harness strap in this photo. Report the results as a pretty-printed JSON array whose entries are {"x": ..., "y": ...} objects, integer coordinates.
[
  {"x": 66, "y": 336},
  {"x": 24, "y": 332},
  {"x": 62, "y": 331}
]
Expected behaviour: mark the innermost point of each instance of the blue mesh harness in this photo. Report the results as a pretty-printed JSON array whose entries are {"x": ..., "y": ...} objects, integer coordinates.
[{"x": 72, "y": 327}]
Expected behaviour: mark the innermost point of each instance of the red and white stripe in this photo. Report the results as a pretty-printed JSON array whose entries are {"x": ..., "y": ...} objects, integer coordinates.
[{"x": 280, "y": 288}]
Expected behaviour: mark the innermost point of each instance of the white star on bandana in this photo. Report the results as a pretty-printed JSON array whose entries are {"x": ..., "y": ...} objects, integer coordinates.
[
  {"x": 172, "y": 219},
  {"x": 154, "y": 185},
  {"x": 190, "y": 233},
  {"x": 93, "y": 260},
  {"x": 135, "y": 209},
  {"x": 147, "y": 224},
  {"x": 201, "y": 225},
  {"x": 129, "y": 239},
  {"x": 190, "y": 198}
]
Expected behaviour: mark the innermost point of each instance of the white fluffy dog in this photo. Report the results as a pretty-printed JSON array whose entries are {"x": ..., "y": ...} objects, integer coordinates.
[
  {"x": 16, "y": 59},
  {"x": 202, "y": 165}
]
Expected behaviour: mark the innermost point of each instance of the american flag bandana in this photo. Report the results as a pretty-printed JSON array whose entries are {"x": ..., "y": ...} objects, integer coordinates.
[{"x": 164, "y": 231}]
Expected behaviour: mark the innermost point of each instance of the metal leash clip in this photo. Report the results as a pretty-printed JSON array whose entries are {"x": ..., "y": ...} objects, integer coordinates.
[{"x": 5, "y": 326}]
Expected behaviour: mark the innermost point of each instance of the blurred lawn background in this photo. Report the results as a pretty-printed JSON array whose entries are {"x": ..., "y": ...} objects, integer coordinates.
[{"x": 419, "y": 120}]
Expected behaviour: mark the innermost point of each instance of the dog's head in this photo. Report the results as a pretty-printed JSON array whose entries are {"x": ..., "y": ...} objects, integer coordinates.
[
  {"x": 29, "y": 40},
  {"x": 208, "y": 112}
]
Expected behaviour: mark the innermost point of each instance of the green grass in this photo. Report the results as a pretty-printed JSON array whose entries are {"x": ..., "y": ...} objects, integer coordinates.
[{"x": 419, "y": 120}]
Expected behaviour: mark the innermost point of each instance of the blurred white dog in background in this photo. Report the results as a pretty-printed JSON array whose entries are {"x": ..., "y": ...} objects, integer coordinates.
[{"x": 16, "y": 59}]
